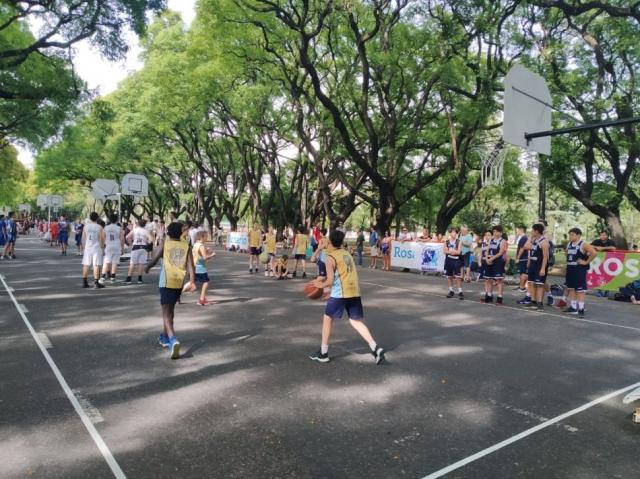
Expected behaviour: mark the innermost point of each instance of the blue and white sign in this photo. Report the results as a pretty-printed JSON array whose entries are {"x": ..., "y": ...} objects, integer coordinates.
[
  {"x": 418, "y": 256},
  {"x": 239, "y": 240}
]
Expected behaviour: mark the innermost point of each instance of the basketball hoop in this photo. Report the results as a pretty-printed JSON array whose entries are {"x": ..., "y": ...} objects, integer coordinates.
[{"x": 492, "y": 171}]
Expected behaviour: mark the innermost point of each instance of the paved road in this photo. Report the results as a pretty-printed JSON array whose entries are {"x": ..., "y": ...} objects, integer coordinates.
[{"x": 244, "y": 401}]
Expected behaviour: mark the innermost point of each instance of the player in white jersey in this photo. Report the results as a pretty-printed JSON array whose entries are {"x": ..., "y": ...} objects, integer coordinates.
[
  {"x": 114, "y": 238},
  {"x": 142, "y": 243},
  {"x": 93, "y": 242}
]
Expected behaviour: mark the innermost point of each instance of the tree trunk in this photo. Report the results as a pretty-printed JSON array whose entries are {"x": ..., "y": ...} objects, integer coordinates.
[{"x": 614, "y": 223}]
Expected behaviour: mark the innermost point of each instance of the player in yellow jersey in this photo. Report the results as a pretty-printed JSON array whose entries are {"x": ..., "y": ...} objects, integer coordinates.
[
  {"x": 342, "y": 278},
  {"x": 300, "y": 244},
  {"x": 255, "y": 240},
  {"x": 270, "y": 249},
  {"x": 177, "y": 260}
]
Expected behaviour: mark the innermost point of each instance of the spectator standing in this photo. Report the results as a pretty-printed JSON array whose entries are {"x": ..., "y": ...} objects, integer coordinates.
[
  {"x": 425, "y": 237},
  {"x": 359, "y": 245},
  {"x": 374, "y": 242},
  {"x": 603, "y": 243},
  {"x": 466, "y": 240},
  {"x": 405, "y": 235},
  {"x": 386, "y": 251}
]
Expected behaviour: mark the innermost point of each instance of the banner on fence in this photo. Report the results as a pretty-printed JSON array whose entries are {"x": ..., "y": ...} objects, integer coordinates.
[
  {"x": 612, "y": 270},
  {"x": 418, "y": 256},
  {"x": 239, "y": 240}
]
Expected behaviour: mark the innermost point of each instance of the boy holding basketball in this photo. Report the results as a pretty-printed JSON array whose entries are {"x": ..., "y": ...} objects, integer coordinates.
[
  {"x": 201, "y": 254},
  {"x": 176, "y": 262},
  {"x": 342, "y": 278}
]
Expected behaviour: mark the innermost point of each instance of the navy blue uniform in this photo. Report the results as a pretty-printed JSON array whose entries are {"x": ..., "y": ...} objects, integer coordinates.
[
  {"x": 452, "y": 263},
  {"x": 535, "y": 262},
  {"x": 524, "y": 258},
  {"x": 12, "y": 231},
  {"x": 63, "y": 232},
  {"x": 3, "y": 240},
  {"x": 495, "y": 270},
  {"x": 576, "y": 273}
]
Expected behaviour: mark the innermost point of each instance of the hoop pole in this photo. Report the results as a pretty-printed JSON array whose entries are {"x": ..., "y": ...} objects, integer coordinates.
[{"x": 575, "y": 129}]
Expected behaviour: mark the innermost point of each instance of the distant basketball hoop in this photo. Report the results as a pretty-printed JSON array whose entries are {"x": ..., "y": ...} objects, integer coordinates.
[{"x": 135, "y": 185}]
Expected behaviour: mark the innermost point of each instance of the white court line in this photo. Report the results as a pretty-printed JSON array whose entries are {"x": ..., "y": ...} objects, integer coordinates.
[
  {"x": 528, "y": 432},
  {"x": 533, "y": 313},
  {"x": 106, "y": 453},
  {"x": 24, "y": 308}
]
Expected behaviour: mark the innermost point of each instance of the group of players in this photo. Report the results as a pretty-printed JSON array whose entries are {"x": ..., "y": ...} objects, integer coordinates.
[
  {"x": 533, "y": 258},
  {"x": 8, "y": 236}
]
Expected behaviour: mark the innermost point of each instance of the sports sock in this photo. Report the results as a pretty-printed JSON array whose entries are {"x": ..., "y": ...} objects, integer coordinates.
[
  {"x": 581, "y": 305},
  {"x": 574, "y": 304},
  {"x": 527, "y": 296},
  {"x": 451, "y": 288},
  {"x": 459, "y": 290},
  {"x": 324, "y": 348},
  {"x": 373, "y": 346},
  {"x": 139, "y": 277},
  {"x": 490, "y": 295},
  {"x": 104, "y": 275}
]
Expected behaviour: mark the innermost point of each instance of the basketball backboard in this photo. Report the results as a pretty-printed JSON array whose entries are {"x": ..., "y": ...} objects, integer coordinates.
[
  {"x": 135, "y": 185},
  {"x": 527, "y": 109},
  {"x": 24, "y": 208},
  {"x": 103, "y": 189},
  {"x": 42, "y": 201},
  {"x": 56, "y": 201}
]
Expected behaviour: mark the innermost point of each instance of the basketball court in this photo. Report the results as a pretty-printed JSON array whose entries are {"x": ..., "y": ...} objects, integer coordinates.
[{"x": 469, "y": 390}]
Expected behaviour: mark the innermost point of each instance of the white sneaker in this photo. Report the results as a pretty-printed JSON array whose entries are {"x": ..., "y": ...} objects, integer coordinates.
[
  {"x": 101, "y": 281},
  {"x": 266, "y": 274}
]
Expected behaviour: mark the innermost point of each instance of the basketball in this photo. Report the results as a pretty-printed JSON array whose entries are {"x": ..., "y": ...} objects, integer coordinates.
[
  {"x": 189, "y": 287},
  {"x": 264, "y": 257},
  {"x": 311, "y": 291}
]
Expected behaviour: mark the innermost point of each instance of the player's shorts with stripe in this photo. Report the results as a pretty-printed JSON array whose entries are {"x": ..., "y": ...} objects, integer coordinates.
[
  {"x": 92, "y": 256},
  {"x": 522, "y": 267},
  {"x": 336, "y": 306},
  {"x": 577, "y": 278},
  {"x": 494, "y": 270},
  {"x": 534, "y": 273},
  {"x": 452, "y": 267},
  {"x": 139, "y": 256},
  {"x": 112, "y": 257}
]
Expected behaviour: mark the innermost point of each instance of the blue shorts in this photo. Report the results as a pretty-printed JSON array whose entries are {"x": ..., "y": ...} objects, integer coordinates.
[
  {"x": 577, "y": 278},
  {"x": 322, "y": 268},
  {"x": 452, "y": 267},
  {"x": 255, "y": 251},
  {"x": 495, "y": 270},
  {"x": 466, "y": 259},
  {"x": 522, "y": 267},
  {"x": 202, "y": 277},
  {"x": 3, "y": 241},
  {"x": 534, "y": 274},
  {"x": 170, "y": 295},
  {"x": 63, "y": 239},
  {"x": 336, "y": 306},
  {"x": 78, "y": 240}
]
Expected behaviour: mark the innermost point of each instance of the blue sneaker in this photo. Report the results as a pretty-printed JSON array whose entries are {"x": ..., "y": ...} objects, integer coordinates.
[
  {"x": 174, "y": 347},
  {"x": 570, "y": 310},
  {"x": 163, "y": 340},
  {"x": 525, "y": 300}
]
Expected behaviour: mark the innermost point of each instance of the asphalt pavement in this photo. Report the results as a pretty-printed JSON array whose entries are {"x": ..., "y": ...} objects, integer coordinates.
[{"x": 244, "y": 401}]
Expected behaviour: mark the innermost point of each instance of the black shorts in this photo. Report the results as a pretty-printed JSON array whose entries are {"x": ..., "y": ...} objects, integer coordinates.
[
  {"x": 170, "y": 295},
  {"x": 300, "y": 256},
  {"x": 466, "y": 259},
  {"x": 534, "y": 274},
  {"x": 577, "y": 278},
  {"x": 522, "y": 267},
  {"x": 255, "y": 251},
  {"x": 494, "y": 270},
  {"x": 452, "y": 267},
  {"x": 336, "y": 306},
  {"x": 202, "y": 277}
]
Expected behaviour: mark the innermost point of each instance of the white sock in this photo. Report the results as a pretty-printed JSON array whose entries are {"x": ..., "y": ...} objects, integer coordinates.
[
  {"x": 373, "y": 346},
  {"x": 490, "y": 295},
  {"x": 324, "y": 348},
  {"x": 581, "y": 305},
  {"x": 459, "y": 290},
  {"x": 451, "y": 288},
  {"x": 574, "y": 304}
]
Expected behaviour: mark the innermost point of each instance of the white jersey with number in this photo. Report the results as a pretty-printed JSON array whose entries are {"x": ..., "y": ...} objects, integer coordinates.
[
  {"x": 92, "y": 232},
  {"x": 140, "y": 236},
  {"x": 112, "y": 232}
]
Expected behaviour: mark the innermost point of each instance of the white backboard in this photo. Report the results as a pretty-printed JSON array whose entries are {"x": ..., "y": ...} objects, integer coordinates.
[
  {"x": 56, "y": 201},
  {"x": 24, "y": 207},
  {"x": 42, "y": 201},
  {"x": 135, "y": 185},
  {"x": 103, "y": 189},
  {"x": 522, "y": 113}
]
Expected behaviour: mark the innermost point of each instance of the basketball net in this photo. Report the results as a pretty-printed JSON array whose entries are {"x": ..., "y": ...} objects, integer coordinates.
[{"x": 493, "y": 165}]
